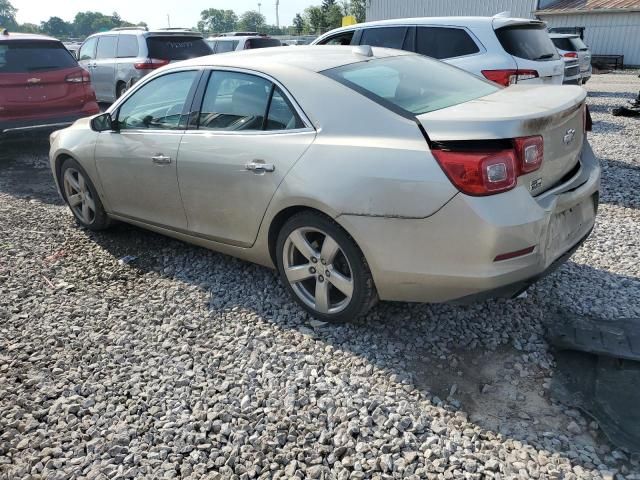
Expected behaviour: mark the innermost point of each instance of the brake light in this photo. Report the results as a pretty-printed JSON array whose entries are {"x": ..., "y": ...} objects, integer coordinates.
[
  {"x": 487, "y": 172},
  {"x": 150, "y": 64},
  {"x": 479, "y": 173},
  {"x": 509, "y": 77},
  {"x": 570, "y": 55},
  {"x": 78, "y": 77},
  {"x": 530, "y": 153}
]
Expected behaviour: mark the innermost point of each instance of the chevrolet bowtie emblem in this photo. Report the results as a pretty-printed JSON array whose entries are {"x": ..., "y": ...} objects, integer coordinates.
[
  {"x": 34, "y": 80},
  {"x": 568, "y": 137}
]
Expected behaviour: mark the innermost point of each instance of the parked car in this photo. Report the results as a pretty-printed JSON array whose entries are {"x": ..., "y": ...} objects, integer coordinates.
[
  {"x": 417, "y": 181},
  {"x": 236, "y": 41},
  {"x": 572, "y": 46},
  {"x": 502, "y": 49},
  {"x": 41, "y": 84},
  {"x": 120, "y": 57}
]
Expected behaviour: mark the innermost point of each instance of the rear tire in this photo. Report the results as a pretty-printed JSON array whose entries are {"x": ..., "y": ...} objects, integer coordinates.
[
  {"x": 323, "y": 268},
  {"x": 82, "y": 197}
]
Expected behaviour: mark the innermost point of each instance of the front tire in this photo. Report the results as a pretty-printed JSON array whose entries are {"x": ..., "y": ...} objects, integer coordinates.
[
  {"x": 323, "y": 268},
  {"x": 82, "y": 196}
]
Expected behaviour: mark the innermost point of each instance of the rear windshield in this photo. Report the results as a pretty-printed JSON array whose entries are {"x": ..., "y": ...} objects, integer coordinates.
[
  {"x": 263, "y": 43},
  {"x": 175, "y": 47},
  {"x": 530, "y": 42},
  {"x": 23, "y": 56},
  {"x": 412, "y": 84}
]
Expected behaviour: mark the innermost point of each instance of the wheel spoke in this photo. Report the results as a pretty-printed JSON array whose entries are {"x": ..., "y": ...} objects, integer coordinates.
[
  {"x": 90, "y": 203},
  {"x": 75, "y": 200},
  {"x": 329, "y": 250},
  {"x": 81, "y": 183},
  {"x": 86, "y": 215},
  {"x": 303, "y": 246},
  {"x": 322, "y": 297},
  {"x": 68, "y": 176},
  {"x": 298, "y": 273},
  {"x": 342, "y": 283}
]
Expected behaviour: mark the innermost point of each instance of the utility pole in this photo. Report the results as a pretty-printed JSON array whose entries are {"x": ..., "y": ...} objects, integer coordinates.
[
  {"x": 168, "y": 21},
  {"x": 259, "y": 5},
  {"x": 277, "y": 15}
]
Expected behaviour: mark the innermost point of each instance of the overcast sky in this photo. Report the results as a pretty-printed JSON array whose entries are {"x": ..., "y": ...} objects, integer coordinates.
[{"x": 183, "y": 13}]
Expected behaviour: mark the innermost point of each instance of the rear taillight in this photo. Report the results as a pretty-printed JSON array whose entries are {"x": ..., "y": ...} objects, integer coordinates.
[
  {"x": 488, "y": 172},
  {"x": 570, "y": 55},
  {"x": 78, "y": 77},
  {"x": 530, "y": 153},
  {"x": 509, "y": 77},
  {"x": 587, "y": 123},
  {"x": 150, "y": 64},
  {"x": 479, "y": 173}
]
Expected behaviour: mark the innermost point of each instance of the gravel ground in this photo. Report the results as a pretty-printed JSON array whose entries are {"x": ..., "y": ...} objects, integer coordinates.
[{"x": 190, "y": 364}]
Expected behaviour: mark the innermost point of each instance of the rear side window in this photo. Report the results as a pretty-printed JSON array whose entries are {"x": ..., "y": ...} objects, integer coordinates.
[
  {"x": 530, "y": 42},
  {"x": 107, "y": 47},
  {"x": 226, "y": 46},
  {"x": 177, "y": 47},
  {"x": 23, "y": 56},
  {"x": 127, "y": 46},
  {"x": 388, "y": 37},
  {"x": 262, "y": 43},
  {"x": 412, "y": 84},
  {"x": 442, "y": 42}
]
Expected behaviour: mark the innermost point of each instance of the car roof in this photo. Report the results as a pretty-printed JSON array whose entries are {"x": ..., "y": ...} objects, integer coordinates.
[
  {"x": 452, "y": 21},
  {"x": 235, "y": 38},
  {"x": 27, "y": 36},
  {"x": 311, "y": 58}
]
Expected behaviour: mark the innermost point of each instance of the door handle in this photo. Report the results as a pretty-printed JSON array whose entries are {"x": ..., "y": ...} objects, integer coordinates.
[
  {"x": 258, "y": 166},
  {"x": 161, "y": 159}
]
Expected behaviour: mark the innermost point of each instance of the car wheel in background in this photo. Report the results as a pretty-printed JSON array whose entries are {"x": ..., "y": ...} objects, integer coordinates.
[
  {"x": 82, "y": 197},
  {"x": 323, "y": 268}
]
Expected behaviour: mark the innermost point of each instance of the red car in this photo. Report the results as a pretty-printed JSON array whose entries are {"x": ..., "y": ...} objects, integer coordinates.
[{"x": 41, "y": 84}]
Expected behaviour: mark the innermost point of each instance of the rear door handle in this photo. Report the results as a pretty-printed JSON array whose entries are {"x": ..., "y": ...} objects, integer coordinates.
[
  {"x": 258, "y": 166},
  {"x": 161, "y": 159}
]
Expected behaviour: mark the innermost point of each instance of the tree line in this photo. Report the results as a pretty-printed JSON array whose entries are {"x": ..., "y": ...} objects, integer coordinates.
[{"x": 314, "y": 20}]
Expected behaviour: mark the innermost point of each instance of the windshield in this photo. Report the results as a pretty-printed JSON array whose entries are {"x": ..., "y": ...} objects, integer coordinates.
[
  {"x": 175, "y": 47},
  {"x": 530, "y": 42},
  {"x": 412, "y": 84},
  {"x": 23, "y": 56},
  {"x": 570, "y": 44}
]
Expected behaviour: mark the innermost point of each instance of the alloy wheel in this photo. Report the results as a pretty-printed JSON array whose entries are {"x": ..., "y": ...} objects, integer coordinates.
[
  {"x": 79, "y": 196},
  {"x": 318, "y": 270}
]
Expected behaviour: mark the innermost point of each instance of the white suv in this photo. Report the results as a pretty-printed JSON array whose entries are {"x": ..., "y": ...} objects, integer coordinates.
[
  {"x": 233, "y": 41},
  {"x": 503, "y": 49}
]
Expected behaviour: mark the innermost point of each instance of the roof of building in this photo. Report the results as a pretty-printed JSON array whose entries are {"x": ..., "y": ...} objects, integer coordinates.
[{"x": 566, "y": 6}]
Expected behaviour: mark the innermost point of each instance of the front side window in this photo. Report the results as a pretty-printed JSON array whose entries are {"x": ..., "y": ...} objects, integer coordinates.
[
  {"x": 158, "y": 104},
  {"x": 412, "y": 84},
  {"x": 87, "y": 51},
  {"x": 107, "y": 47},
  {"x": 387, "y": 37},
  {"x": 443, "y": 42},
  {"x": 236, "y": 101},
  {"x": 341, "y": 39},
  {"x": 127, "y": 46}
]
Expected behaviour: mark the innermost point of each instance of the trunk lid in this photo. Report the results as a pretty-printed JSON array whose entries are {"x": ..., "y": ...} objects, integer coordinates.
[{"x": 554, "y": 112}]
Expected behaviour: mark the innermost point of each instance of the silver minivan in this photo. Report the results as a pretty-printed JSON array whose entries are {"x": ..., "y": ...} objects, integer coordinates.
[
  {"x": 118, "y": 58},
  {"x": 571, "y": 46}
]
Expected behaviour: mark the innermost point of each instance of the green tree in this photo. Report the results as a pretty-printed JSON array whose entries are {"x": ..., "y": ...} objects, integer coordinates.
[
  {"x": 28, "y": 28},
  {"x": 333, "y": 16},
  {"x": 218, "y": 21},
  {"x": 314, "y": 17},
  {"x": 7, "y": 14},
  {"x": 252, "y": 21},
  {"x": 56, "y": 27},
  {"x": 327, "y": 4},
  {"x": 358, "y": 8},
  {"x": 298, "y": 23}
]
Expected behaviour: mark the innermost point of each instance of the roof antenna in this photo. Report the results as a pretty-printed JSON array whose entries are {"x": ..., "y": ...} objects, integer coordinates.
[{"x": 364, "y": 50}]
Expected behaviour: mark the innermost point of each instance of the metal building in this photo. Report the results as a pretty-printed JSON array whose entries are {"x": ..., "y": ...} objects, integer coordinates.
[{"x": 611, "y": 27}]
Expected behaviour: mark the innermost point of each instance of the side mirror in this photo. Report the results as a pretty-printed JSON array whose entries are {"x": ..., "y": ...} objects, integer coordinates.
[{"x": 103, "y": 123}]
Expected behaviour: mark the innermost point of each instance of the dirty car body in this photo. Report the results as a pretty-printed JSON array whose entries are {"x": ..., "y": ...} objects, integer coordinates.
[{"x": 451, "y": 188}]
